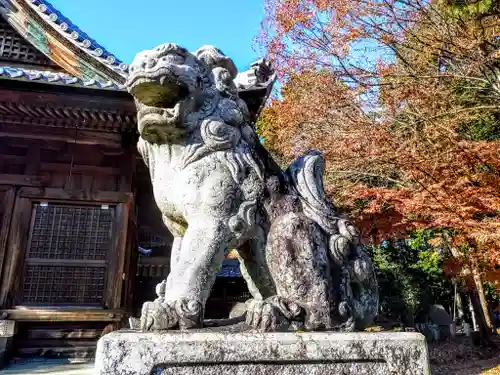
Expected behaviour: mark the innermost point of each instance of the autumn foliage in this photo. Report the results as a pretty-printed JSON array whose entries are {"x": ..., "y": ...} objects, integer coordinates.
[{"x": 403, "y": 98}]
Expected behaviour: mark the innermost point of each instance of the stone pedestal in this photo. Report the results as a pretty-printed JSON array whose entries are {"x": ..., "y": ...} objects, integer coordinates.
[
  {"x": 243, "y": 353},
  {"x": 7, "y": 331}
]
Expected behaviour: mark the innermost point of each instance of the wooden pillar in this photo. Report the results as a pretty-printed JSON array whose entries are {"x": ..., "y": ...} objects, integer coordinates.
[
  {"x": 14, "y": 253},
  {"x": 9, "y": 195}
]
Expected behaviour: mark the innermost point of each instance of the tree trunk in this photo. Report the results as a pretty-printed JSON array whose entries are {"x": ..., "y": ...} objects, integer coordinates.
[
  {"x": 481, "y": 307},
  {"x": 482, "y": 298},
  {"x": 461, "y": 311},
  {"x": 484, "y": 332},
  {"x": 473, "y": 311}
]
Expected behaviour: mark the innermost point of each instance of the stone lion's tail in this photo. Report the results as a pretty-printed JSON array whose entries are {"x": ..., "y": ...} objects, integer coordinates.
[{"x": 305, "y": 174}]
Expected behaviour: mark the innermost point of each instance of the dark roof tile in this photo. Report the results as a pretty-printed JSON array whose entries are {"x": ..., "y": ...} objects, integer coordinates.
[{"x": 54, "y": 77}]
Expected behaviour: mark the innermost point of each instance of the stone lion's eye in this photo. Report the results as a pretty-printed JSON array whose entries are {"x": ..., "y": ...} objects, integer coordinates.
[{"x": 150, "y": 63}]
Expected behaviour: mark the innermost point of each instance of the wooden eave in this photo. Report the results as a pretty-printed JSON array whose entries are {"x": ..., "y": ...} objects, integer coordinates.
[{"x": 61, "y": 113}]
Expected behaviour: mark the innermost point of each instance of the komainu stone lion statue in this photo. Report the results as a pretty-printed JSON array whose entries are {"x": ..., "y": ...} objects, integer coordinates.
[{"x": 218, "y": 188}]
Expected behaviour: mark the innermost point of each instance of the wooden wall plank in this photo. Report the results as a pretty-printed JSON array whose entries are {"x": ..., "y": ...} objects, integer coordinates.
[
  {"x": 87, "y": 183},
  {"x": 86, "y": 137},
  {"x": 22, "y": 180},
  {"x": 85, "y": 169},
  {"x": 32, "y": 160},
  {"x": 127, "y": 171},
  {"x": 58, "y": 180},
  {"x": 8, "y": 206}
]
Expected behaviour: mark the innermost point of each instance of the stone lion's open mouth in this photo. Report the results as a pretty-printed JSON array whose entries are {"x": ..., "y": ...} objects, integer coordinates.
[
  {"x": 159, "y": 97},
  {"x": 157, "y": 92}
]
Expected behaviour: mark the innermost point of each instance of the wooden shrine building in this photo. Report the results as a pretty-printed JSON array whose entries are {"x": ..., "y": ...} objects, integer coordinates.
[{"x": 81, "y": 240}]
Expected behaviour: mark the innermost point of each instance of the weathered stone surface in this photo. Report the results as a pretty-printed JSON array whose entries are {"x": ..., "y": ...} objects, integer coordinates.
[
  {"x": 238, "y": 309},
  {"x": 277, "y": 353},
  {"x": 218, "y": 188},
  {"x": 7, "y": 331}
]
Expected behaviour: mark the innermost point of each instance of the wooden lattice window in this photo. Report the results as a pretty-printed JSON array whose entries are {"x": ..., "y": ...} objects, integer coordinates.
[
  {"x": 67, "y": 255},
  {"x": 14, "y": 47}
]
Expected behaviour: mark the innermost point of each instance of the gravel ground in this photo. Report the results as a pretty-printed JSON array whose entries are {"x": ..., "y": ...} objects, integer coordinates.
[
  {"x": 460, "y": 357},
  {"x": 479, "y": 367}
]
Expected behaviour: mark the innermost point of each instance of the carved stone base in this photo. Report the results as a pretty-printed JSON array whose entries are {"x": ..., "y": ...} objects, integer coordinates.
[
  {"x": 7, "y": 331},
  {"x": 206, "y": 352}
]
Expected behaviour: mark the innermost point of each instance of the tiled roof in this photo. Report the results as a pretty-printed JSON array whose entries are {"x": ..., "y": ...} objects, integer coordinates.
[
  {"x": 49, "y": 76},
  {"x": 54, "y": 78},
  {"x": 106, "y": 71},
  {"x": 72, "y": 32}
]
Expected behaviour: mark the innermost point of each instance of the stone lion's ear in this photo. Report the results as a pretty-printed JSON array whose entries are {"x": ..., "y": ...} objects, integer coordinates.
[{"x": 214, "y": 57}]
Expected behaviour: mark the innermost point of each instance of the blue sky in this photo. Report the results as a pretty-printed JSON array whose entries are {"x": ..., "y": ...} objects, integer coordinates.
[{"x": 125, "y": 27}]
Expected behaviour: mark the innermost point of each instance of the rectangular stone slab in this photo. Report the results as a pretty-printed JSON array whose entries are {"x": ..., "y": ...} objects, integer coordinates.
[{"x": 248, "y": 353}]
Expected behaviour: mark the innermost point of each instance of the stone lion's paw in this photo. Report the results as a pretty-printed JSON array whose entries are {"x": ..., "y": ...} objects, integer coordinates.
[
  {"x": 189, "y": 312},
  {"x": 265, "y": 315},
  {"x": 134, "y": 323},
  {"x": 157, "y": 316}
]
